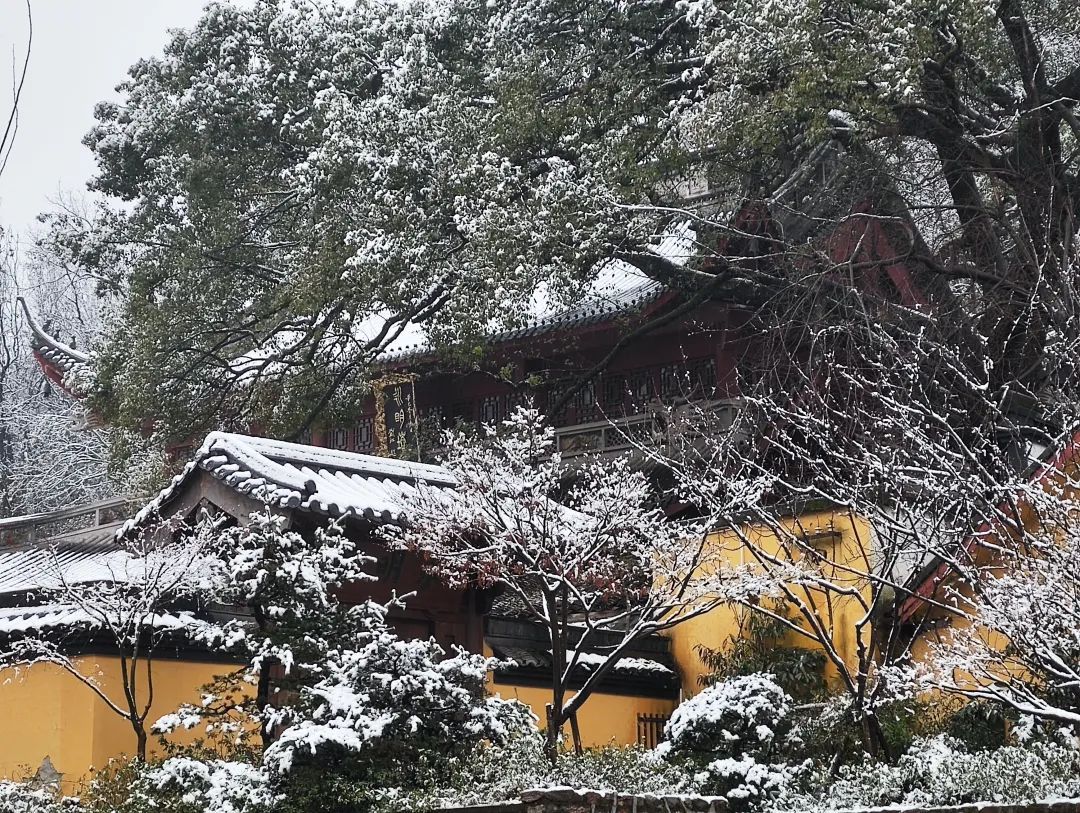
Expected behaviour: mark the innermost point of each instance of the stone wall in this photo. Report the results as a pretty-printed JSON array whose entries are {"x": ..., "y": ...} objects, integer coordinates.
[
  {"x": 566, "y": 800},
  {"x": 1066, "y": 806}
]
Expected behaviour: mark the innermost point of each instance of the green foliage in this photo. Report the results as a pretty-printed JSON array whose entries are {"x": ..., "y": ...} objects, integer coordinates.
[
  {"x": 759, "y": 647},
  {"x": 827, "y": 732},
  {"x": 286, "y": 171},
  {"x": 980, "y": 725},
  {"x": 830, "y": 734},
  {"x": 899, "y": 721},
  {"x": 115, "y": 789}
]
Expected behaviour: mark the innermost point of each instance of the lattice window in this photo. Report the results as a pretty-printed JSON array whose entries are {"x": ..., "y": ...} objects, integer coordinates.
[
  {"x": 703, "y": 378},
  {"x": 688, "y": 380},
  {"x": 672, "y": 382},
  {"x": 585, "y": 406},
  {"x": 640, "y": 389},
  {"x": 338, "y": 438},
  {"x": 613, "y": 389},
  {"x": 365, "y": 435},
  {"x": 491, "y": 409}
]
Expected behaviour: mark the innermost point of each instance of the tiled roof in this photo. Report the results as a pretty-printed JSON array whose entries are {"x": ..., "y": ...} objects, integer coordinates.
[
  {"x": 535, "y": 658},
  {"x": 647, "y": 668},
  {"x": 309, "y": 478},
  {"x": 617, "y": 288},
  {"x": 94, "y": 556}
]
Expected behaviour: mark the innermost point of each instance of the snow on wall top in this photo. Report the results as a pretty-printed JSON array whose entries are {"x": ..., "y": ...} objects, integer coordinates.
[
  {"x": 309, "y": 478},
  {"x": 15, "y": 620}
]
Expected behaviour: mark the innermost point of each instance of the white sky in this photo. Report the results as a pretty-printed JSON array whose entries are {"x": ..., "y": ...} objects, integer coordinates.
[{"x": 81, "y": 51}]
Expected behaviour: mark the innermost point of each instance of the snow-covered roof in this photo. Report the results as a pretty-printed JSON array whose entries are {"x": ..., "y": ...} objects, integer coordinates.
[
  {"x": 309, "y": 478},
  {"x": 45, "y": 566},
  {"x": 617, "y": 288},
  {"x": 586, "y": 661}
]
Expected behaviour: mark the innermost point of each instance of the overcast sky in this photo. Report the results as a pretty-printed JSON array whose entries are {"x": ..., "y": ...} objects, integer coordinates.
[{"x": 81, "y": 51}]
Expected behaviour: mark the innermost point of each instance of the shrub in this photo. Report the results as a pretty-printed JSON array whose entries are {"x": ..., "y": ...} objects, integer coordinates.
[
  {"x": 26, "y": 797},
  {"x": 180, "y": 785},
  {"x": 827, "y": 732},
  {"x": 731, "y": 731},
  {"x": 741, "y": 716},
  {"x": 938, "y": 771},
  {"x": 501, "y": 773},
  {"x": 760, "y": 647},
  {"x": 831, "y": 732},
  {"x": 979, "y": 725}
]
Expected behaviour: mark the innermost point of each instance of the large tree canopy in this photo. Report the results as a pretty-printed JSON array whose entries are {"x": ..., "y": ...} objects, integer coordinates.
[{"x": 288, "y": 186}]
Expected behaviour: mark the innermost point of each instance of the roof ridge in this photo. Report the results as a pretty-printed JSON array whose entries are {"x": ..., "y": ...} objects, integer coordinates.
[{"x": 51, "y": 342}]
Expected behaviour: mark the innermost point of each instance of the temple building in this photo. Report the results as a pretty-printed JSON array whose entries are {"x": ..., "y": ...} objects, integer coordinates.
[{"x": 607, "y": 370}]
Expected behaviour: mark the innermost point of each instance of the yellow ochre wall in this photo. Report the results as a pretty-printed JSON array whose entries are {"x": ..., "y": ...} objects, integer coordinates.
[
  {"x": 605, "y": 719},
  {"x": 46, "y": 712},
  {"x": 850, "y": 539}
]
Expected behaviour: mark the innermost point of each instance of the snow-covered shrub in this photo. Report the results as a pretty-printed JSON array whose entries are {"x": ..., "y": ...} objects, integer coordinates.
[
  {"x": 287, "y": 582},
  {"x": 745, "y": 782},
  {"x": 503, "y": 772},
  {"x": 747, "y": 715},
  {"x": 732, "y": 732},
  {"x": 938, "y": 771},
  {"x": 394, "y": 707},
  {"x": 222, "y": 786},
  {"x": 622, "y": 769},
  {"x": 27, "y": 797}
]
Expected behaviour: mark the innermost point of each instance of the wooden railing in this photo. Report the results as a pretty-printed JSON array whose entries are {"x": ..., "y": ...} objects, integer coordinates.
[{"x": 49, "y": 524}]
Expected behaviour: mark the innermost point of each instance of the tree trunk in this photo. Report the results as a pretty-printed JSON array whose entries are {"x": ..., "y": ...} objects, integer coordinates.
[
  {"x": 874, "y": 741},
  {"x": 262, "y": 700},
  {"x": 140, "y": 740},
  {"x": 551, "y": 739},
  {"x": 576, "y": 732}
]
